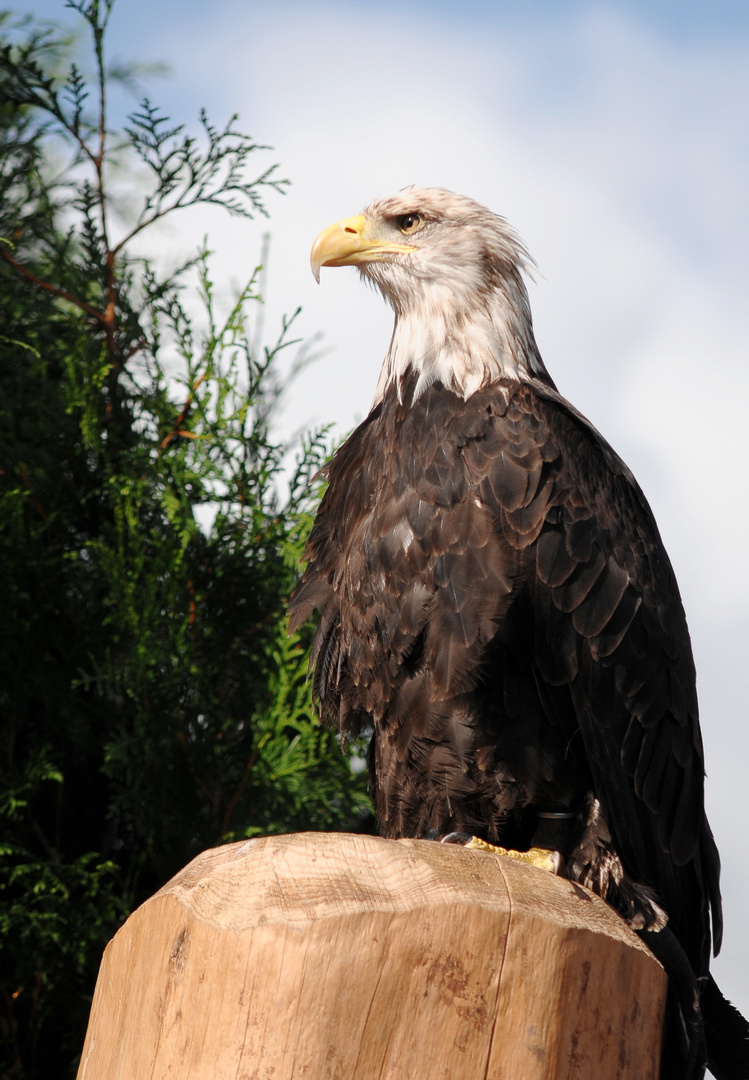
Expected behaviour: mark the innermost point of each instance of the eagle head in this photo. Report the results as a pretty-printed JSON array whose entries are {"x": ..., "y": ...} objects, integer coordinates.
[{"x": 453, "y": 273}]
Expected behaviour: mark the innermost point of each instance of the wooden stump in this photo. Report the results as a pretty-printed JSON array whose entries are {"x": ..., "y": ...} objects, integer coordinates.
[{"x": 332, "y": 956}]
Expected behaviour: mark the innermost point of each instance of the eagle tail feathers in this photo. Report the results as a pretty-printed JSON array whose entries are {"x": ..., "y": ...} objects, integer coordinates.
[{"x": 726, "y": 1033}]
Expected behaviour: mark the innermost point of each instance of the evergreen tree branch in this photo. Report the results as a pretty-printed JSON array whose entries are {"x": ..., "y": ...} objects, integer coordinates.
[
  {"x": 63, "y": 294},
  {"x": 26, "y": 83},
  {"x": 186, "y": 177},
  {"x": 151, "y": 703}
]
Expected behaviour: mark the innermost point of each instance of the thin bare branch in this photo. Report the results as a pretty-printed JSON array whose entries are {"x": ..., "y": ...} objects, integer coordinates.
[{"x": 54, "y": 289}]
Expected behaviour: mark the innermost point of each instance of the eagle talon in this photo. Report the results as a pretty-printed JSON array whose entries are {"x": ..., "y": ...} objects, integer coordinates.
[
  {"x": 463, "y": 838},
  {"x": 542, "y": 858}
]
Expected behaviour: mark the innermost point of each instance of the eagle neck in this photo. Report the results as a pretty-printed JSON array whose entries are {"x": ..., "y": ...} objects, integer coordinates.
[{"x": 465, "y": 345}]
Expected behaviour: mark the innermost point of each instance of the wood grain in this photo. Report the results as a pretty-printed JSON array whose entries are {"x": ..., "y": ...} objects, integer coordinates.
[{"x": 344, "y": 957}]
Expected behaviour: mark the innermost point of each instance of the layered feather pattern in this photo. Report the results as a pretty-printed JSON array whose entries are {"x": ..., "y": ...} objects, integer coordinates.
[{"x": 495, "y": 601}]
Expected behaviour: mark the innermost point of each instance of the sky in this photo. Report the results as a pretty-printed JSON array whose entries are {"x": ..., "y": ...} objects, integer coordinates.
[{"x": 615, "y": 138}]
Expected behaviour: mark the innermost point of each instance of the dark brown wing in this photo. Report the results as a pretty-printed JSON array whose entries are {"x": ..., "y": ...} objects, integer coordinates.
[
  {"x": 609, "y": 623},
  {"x": 496, "y": 560}
]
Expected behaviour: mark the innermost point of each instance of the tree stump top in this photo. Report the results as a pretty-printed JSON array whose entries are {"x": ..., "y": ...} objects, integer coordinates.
[{"x": 304, "y": 877}]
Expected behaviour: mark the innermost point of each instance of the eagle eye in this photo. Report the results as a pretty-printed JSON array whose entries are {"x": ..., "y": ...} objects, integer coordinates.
[{"x": 409, "y": 223}]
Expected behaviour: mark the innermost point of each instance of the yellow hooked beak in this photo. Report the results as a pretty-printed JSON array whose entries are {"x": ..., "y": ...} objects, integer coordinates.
[{"x": 351, "y": 242}]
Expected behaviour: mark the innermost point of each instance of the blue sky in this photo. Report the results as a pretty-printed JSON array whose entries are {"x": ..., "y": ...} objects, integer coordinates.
[
  {"x": 615, "y": 137},
  {"x": 676, "y": 18}
]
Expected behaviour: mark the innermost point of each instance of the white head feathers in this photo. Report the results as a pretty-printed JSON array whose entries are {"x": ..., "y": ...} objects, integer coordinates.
[{"x": 452, "y": 272}]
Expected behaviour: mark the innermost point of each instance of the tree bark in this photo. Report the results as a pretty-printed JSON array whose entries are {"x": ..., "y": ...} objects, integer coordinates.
[{"x": 341, "y": 957}]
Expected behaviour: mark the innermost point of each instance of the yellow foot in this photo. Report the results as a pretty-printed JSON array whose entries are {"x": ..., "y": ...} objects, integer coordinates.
[{"x": 543, "y": 858}]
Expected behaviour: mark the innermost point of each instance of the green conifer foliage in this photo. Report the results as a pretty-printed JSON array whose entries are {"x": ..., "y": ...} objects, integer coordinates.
[{"x": 151, "y": 703}]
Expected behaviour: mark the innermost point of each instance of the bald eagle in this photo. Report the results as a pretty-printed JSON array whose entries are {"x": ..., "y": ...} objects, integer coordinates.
[{"x": 497, "y": 607}]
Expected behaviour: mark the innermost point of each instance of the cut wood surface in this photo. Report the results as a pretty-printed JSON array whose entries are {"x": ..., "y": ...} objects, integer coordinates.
[{"x": 334, "y": 956}]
